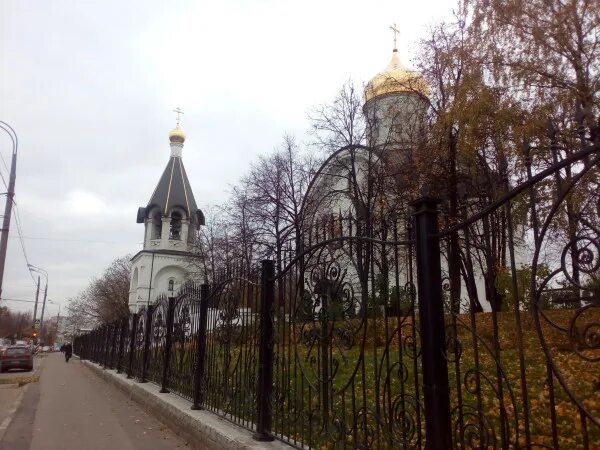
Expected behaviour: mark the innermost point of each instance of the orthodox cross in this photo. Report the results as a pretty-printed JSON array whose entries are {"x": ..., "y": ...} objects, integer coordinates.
[
  {"x": 179, "y": 112},
  {"x": 396, "y": 33}
]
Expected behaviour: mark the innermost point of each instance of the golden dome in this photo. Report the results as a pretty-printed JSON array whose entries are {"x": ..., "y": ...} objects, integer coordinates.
[
  {"x": 177, "y": 135},
  {"x": 394, "y": 79}
]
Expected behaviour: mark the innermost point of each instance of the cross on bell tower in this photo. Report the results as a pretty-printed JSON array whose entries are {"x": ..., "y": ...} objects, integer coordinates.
[{"x": 179, "y": 112}]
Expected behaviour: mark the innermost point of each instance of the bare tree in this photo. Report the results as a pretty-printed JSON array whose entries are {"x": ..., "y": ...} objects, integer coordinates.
[
  {"x": 262, "y": 219},
  {"x": 341, "y": 122},
  {"x": 105, "y": 299},
  {"x": 276, "y": 186},
  {"x": 207, "y": 254},
  {"x": 14, "y": 324}
]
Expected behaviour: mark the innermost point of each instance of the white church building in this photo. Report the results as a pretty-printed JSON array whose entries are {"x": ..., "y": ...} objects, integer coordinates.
[{"x": 171, "y": 219}]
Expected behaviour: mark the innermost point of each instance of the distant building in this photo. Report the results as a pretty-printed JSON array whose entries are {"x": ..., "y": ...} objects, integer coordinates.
[{"x": 170, "y": 220}]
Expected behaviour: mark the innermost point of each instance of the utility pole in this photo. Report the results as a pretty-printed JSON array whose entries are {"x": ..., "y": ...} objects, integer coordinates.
[
  {"x": 43, "y": 307},
  {"x": 7, "y": 212},
  {"x": 37, "y": 294}
]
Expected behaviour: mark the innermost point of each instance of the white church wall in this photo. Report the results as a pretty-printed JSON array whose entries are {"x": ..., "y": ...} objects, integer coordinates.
[
  {"x": 134, "y": 285},
  {"x": 395, "y": 120},
  {"x": 166, "y": 273},
  {"x": 154, "y": 271}
]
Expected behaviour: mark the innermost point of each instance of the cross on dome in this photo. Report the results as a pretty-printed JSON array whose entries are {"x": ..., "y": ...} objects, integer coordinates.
[
  {"x": 396, "y": 33},
  {"x": 396, "y": 78},
  {"x": 177, "y": 136},
  {"x": 179, "y": 112}
]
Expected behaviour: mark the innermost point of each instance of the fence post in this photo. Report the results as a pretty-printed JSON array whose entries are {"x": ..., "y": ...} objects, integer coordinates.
[
  {"x": 81, "y": 346},
  {"x": 124, "y": 322},
  {"x": 94, "y": 344},
  {"x": 105, "y": 344},
  {"x": 115, "y": 331},
  {"x": 265, "y": 352},
  {"x": 108, "y": 347},
  {"x": 147, "y": 336},
  {"x": 436, "y": 392},
  {"x": 167, "y": 353},
  {"x": 201, "y": 348},
  {"x": 134, "y": 322},
  {"x": 99, "y": 346}
]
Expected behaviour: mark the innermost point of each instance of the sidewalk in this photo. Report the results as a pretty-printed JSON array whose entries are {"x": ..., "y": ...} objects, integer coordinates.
[
  {"x": 13, "y": 386},
  {"x": 71, "y": 408}
]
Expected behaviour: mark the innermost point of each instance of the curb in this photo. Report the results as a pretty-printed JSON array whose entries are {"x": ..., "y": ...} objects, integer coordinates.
[{"x": 203, "y": 429}]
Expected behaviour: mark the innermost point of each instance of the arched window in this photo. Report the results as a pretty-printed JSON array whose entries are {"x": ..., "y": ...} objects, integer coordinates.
[
  {"x": 175, "y": 232},
  {"x": 156, "y": 225},
  {"x": 171, "y": 285}
]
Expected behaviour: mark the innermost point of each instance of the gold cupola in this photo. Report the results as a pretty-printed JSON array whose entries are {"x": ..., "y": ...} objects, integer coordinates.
[
  {"x": 177, "y": 135},
  {"x": 395, "y": 79}
]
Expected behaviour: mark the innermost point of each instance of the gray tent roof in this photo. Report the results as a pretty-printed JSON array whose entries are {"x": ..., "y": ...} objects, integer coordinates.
[{"x": 173, "y": 189}]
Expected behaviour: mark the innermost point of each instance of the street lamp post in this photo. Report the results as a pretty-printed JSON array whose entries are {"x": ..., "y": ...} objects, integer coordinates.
[{"x": 9, "y": 199}]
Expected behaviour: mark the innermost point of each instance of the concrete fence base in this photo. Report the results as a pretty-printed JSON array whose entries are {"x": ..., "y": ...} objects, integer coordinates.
[{"x": 203, "y": 429}]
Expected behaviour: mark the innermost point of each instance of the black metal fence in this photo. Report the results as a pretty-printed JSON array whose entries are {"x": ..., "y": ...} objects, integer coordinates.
[{"x": 361, "y": 338}]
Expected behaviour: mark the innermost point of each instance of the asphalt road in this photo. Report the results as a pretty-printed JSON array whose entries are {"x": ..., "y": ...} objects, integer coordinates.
[{"x": 71, "y": 408}]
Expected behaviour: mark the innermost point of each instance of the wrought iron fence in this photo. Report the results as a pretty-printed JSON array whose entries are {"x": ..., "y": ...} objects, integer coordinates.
[
  {"x": 362, "y": 337},
  {"x": 231, "y": 346},
  {"x": 158, "y": 338},
  {"x": 525, "y": 374},
  {"x": 184, "y": 342},
  {"x": 346, "y": 347}
]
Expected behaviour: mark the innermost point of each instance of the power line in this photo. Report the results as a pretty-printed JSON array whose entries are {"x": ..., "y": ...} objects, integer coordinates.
[
  {"x": 16, "y": 300},
  {"x": 4, "y": 162},
  {"x": 20, "y": 300},
  {"x": 6, "y": 167},
  {"x": 21, "y": 240},
  {"x": 42, "y": 238},
  {"x": 2, "y": 176}
]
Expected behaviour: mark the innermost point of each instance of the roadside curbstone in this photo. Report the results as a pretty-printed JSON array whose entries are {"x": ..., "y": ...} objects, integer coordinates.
[{"x": 202, "y": 429}]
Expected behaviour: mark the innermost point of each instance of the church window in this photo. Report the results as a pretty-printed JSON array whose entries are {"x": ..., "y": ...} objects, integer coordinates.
[
  {"x": 171, "y": 285},
  {"x": 175, "y": 226}
]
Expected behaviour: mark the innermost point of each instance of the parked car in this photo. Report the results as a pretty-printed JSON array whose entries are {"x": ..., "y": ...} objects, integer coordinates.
[
  {"x": 16, "y": 357},
  {"x": 4, "y": 343}
]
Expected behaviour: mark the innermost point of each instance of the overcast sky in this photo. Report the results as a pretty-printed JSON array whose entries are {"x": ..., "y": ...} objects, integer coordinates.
[{"x": 89, "y": 87}]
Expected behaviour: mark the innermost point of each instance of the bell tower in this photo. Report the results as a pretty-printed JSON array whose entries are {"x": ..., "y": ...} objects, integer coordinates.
[{"x": 170, "y": 220}]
